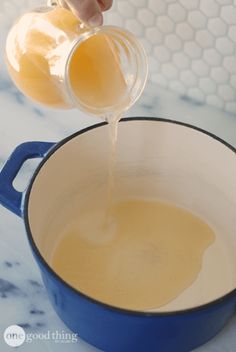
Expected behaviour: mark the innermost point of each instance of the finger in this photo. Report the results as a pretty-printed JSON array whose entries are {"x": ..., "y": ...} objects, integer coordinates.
[
  {"x": 88, "y": 11},
  {"x": 105, "y": 4},
  {"x": 62, "y": 3}
]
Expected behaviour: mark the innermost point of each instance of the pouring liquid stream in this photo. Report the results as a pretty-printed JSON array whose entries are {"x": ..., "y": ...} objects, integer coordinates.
[{"x": 113, "y": 134}]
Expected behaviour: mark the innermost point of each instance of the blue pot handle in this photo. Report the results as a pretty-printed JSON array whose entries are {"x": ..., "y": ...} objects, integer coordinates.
[{"x": 9, "y": 196}]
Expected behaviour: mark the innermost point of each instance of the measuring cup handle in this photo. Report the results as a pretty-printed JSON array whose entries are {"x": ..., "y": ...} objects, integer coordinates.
[{"x": 10, "y": 198}]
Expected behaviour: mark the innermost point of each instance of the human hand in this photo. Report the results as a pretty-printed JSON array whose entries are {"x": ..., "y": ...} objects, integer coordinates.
[{"x": 89, "y": 11}]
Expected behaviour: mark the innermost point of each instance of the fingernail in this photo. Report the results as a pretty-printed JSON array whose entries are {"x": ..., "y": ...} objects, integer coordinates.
[{"x": 95, "y": 20}]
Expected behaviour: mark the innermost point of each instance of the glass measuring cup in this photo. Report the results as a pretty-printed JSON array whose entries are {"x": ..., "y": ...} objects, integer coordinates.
[{"x": 57, "y": 61}]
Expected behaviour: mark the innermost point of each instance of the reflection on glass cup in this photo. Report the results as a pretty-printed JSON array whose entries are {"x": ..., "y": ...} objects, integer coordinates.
[{"x": 58, "y": 61}]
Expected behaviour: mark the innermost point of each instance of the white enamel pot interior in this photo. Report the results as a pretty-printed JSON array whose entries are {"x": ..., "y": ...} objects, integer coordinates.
[{"x": 156, "y": 159}]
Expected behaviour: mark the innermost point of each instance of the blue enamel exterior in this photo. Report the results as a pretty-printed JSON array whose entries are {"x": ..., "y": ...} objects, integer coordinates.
[
  {"x": 108, "y": 328},
  {"x": 114, "y": 330},
  {"x": 10, "y": 197}
]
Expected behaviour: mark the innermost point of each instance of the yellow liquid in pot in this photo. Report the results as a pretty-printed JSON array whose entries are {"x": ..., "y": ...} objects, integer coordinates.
[{"x": 150, "y": 254}]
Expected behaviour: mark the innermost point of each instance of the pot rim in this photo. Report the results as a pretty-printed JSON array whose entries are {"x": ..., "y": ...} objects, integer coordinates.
[{"x": 211, "y": 304}]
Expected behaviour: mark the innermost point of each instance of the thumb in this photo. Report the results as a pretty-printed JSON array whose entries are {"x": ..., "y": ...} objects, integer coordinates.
[{"x": 88, "y": 11}]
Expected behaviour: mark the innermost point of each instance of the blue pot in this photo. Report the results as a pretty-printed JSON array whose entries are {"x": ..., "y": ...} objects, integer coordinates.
[{"x": 162, "y": 146}]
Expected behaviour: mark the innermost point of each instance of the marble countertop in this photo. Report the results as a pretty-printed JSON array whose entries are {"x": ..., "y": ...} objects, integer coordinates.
[{"x": 23, "y": 299}]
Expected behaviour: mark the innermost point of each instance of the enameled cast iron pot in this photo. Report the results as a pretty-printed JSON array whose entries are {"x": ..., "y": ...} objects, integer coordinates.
[{"x": 158, "y": 158}]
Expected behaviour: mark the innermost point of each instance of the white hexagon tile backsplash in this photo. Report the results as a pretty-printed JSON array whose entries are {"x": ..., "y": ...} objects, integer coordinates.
[{"x": 191, "y": 44}]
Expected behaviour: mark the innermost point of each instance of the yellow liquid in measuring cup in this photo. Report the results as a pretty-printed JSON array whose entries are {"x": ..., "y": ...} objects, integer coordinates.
[
  {"x": 147, "y": 258},
  {"x": 33, "y": 51},
  {"x": 95, "y": 73}
]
